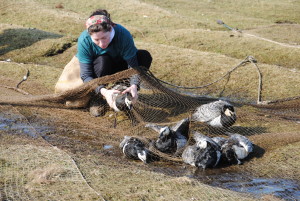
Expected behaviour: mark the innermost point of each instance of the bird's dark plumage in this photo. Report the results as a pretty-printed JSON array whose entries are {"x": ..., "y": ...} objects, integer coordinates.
[
  {"x": 236, "y": 148},
  {"x": 217, "y": 114},
  {"x": 122, "y": 102},
  {"x": 205, "y": 153},
  {"x": 135, "y": 149},
  {"x": 171, "y": 139}
]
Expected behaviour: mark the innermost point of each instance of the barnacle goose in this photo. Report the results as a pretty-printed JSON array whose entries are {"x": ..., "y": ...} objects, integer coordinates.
[
  {"x": 171, "y": 139},
  {"x": 205, "y": 153},
  {"x": 217, "y": 114},
  {"x": 135, "y": 149},
  {"x": 122, "y": 102},
  {"x": 235, "y": 148}
]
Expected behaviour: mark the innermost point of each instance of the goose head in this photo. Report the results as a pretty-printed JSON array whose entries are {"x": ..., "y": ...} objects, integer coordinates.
[
  {"x": 229, "y": 154},
  {"x": 164, "y": 133},
  {"x": 128, "y": 101},
  {"x": 228, "y": 116},
  {"x": 123, "y": 102},
  {"x": 166, "y": 141},
  {"x": 202, "y": 144}
]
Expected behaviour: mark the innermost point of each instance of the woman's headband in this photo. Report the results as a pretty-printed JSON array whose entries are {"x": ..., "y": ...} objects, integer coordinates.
[{"x": 96, "y": 19}]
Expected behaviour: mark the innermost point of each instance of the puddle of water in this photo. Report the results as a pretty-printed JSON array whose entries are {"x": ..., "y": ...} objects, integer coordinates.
[
  {"x": 236, "y": 181},
  {"x": 14, "y": 124},
  {"x": 107, "y": 146},
  {"x": 282, "y": 188}
]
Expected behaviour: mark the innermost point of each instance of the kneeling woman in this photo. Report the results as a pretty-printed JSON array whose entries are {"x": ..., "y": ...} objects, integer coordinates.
[{"x": 105, "y": 48}]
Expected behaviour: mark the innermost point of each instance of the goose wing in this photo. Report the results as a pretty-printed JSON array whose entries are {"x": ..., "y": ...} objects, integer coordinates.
[
  {"x": 181, "y": 128},
  {"x": 207, "y": 144},
  {"x": 209, "y": 111},
  {"x": 168, "y": 145},
  {"x": 219, "y": 140},
  {"x": 119, "y": 87},
  {"x": 199, "y": 138},
  {"x": 154, "y": 127},
  {"x": 243, "y": 141},
  {"x": 188, "y": 155}
]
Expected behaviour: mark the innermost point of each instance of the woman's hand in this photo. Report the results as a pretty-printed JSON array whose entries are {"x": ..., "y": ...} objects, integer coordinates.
[
  {"x": 133, "y": 91},
  {"x": 109, "y": 95}
]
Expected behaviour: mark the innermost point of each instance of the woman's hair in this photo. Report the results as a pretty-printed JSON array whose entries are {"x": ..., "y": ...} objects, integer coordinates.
[{"x": 104, "y": 26}]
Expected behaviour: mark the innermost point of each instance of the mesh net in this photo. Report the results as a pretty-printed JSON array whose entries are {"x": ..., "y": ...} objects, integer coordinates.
[{"x": 269, "y": 172}]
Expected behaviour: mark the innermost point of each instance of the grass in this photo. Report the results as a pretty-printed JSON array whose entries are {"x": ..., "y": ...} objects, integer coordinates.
[
  {"x": 154, "y": 186},
  {"x": 40, "y": 170},
  {"x": 39, "y": 74},
  {"x": 189, "y": 24},
  {"x": 281, "y": 162}
]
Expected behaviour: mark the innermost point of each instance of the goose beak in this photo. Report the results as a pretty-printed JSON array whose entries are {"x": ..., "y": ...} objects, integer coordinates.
[{"x": 165, "y": 131}]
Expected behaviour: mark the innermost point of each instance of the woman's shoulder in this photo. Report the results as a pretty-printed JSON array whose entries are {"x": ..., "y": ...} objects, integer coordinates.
[{"x": 120, "y": 29}]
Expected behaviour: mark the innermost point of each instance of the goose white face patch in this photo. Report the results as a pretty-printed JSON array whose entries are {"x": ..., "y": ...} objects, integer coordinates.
[
  {"x": 124, "y": 147},
  {"x": 128, "y": 103},
  {"x": 240, "y": 152},
  {"x": 202, "y": 144},
  {"x": 142, "y": 155},
  {"x": 164, "y": 131},
  {"x": 124, "y": 141},
  {"x": 228, "y": 113}
]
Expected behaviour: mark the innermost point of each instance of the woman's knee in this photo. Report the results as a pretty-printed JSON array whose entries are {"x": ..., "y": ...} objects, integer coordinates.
[
  {"x": 144, "y": 58},
  {"x": 102, "y": 65}
]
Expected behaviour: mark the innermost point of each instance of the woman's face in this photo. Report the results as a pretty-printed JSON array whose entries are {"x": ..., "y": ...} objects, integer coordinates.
[{"x": 101, "y": 38}]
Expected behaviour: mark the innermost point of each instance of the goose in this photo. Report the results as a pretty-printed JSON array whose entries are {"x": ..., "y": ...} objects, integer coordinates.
[
  {"x": 227, "y": 155},
  {"x": 236, "y": 148},
  {"x": 171, "y": 139},
  {"x": 122, "y": 102},
  {"x": 135, "y": 149},
  {"x": 205, "y": 153},
  {"x": 219, "y": 114}
]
